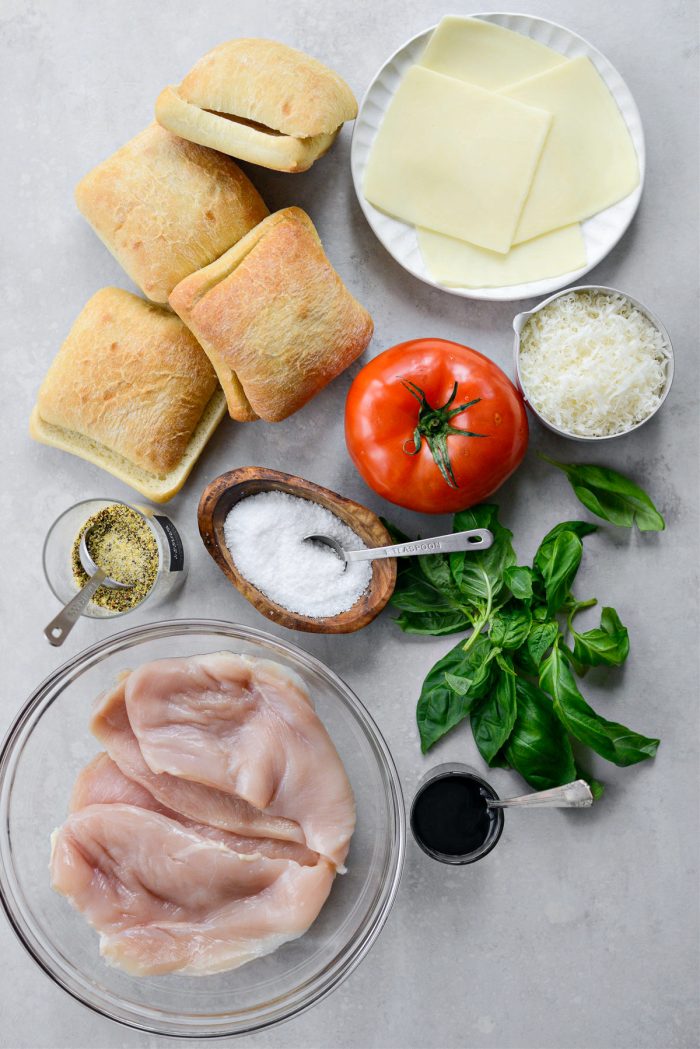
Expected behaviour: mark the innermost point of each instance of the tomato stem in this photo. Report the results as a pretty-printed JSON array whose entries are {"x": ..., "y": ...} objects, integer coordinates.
[{"x": 434, "y": 425}]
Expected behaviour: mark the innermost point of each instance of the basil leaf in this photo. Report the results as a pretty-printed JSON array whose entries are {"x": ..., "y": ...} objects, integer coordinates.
[
  {"x": 478, "y": 664},
  {"x": 493, "y": 720},
  {"x": 610, "y": 621},
  {"x": 510, "y": 627},
  {"x": 523, "y": 661},
  {"x": 578, "y": 668},
  {"x": 433, "y": 623},
  {"x": 540, "y": 638},
  {"x": 414, "y": 593},
  {"x": 518, "y": 579},
  {"x": 440, "y": 708},
  {"x": 611, "y": 496},
  {"x": 579, "y": 528},
  {"x": 614, "y": 742},
  {"x": 479, "y": 574},
  {"x": 557, "y": 559},
  {"x": 428, "y": 598},
  {"x": 435, "y": 569},
  {"x": 460, "y": 685},
  {"x": 481, "y": 516},
  {"x": 607, "y": 645},
  {"x": 500, "y": 761},
  {"x": 478, "y": 661},
  {"x": 542, "y": 635},
  {"x": 539, "y": 748}
]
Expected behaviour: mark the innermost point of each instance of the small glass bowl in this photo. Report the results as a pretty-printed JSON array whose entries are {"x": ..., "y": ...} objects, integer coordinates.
[
  {"x": 47, "y": 745},
  {"x": 456, "y": 768},
  {"x": 521, "y": 320},
  {"x": 58, "y": 569}
]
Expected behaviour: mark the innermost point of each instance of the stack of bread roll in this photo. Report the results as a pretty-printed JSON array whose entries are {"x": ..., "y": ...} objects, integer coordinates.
[{"x": 244, "y": 309}]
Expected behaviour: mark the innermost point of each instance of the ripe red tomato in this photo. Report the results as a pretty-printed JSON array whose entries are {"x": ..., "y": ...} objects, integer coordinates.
[{"x": 434, "y": 426}]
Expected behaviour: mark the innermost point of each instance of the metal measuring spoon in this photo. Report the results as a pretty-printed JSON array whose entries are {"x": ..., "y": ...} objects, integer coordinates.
[
  {"x": 474, "y": 539},
  {"x": 576, "y": 795},
  {"x": 61, "y": 625}
]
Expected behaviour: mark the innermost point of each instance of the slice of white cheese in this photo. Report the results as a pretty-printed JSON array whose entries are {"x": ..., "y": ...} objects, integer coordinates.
[
  {"x": 455, "y": 158},
  {"x": 485, "y": 54},
  {"x": 589, "y": 161},
  {"x": 455, "y": 263}
]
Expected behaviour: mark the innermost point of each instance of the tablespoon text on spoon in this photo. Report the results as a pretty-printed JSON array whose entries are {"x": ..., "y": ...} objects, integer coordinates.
[{"x": 474, "y": 539}]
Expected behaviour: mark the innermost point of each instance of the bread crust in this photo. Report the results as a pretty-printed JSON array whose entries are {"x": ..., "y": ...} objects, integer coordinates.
[
  {"x": 155, "y": 489},
  {"x": 165, "y": 207},
  {"x": 277, "y": 152},
  {"x": 261, "y": 101},
  {"x": 273, "y": 311},
  {"x": 129, "y": 390},
  {"x": 271, "y": 84}
]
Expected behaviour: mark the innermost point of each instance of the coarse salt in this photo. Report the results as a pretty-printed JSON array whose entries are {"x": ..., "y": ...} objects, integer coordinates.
[{"x": 265, "y": 535}]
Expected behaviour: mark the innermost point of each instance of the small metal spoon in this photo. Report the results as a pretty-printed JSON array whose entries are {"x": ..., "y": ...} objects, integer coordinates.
[
  {"x": 576, "y": 795},
  {"x": 475, "y": 539},
  {"x": 61, "y": 625}
]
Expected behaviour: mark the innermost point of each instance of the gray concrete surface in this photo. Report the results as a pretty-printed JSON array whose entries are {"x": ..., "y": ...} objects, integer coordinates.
[{"x": 580, "y": 931}]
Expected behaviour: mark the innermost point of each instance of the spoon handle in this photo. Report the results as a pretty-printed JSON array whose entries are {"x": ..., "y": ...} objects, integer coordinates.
[
  {"x": 475, "y": 539},
  {"x": 60, "y": 627},
  {"x": 576, "y": 795}
]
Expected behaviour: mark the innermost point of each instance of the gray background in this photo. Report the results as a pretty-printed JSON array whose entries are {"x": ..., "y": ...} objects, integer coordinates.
[{"x": 580, "y": 930}]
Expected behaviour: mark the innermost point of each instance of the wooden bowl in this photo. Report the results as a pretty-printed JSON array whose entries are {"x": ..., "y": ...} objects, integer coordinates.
[{"x": 228, "y": 489}]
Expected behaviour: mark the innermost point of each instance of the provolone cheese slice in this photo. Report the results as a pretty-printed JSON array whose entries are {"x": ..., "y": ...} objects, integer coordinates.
[
  {"x": 588, "y": 162},
  {"x": 455, "y": 158},
  {"x": 485, "y": 54},
  {"x": 455, "y": 263}
]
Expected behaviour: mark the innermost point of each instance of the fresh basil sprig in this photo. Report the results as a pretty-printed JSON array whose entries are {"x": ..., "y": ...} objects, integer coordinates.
[
  {"x": 611, "y": 496},
  {"x": 513, "y": 676}
]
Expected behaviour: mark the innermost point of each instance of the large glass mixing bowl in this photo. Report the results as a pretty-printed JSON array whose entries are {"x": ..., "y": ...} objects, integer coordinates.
[{"x": 45, "y": 748}]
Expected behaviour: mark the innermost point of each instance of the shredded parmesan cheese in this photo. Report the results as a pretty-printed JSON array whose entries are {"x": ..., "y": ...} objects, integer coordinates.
[{"x": 592, "y": 364}]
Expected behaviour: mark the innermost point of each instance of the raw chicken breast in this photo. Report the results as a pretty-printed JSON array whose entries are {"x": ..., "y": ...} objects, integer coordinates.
[
  {"x": 246, "y": 727},
  {"x": 102, "y": 782},
  {"x": 166, "y": 899},
  {"x": 197, "y": 801},
  {"x": 211, "y": 830}
]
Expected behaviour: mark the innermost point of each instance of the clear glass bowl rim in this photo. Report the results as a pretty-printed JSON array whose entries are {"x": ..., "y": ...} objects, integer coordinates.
[{"x": 315, "y": 989}]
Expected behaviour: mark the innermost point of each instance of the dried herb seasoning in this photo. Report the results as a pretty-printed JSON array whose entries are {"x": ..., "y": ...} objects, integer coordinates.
[{"x": 121, "y": 543}]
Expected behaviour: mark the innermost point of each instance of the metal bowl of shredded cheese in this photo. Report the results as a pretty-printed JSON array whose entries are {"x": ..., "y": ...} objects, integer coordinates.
[{"x": 592, "y": 362}]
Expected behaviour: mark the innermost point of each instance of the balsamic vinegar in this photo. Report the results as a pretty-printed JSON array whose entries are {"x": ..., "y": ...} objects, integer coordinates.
[{"x": 450, "y": 815}]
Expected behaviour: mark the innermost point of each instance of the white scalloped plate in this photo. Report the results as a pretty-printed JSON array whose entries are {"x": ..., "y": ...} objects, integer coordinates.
[{"x": 601, "y": 232}]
